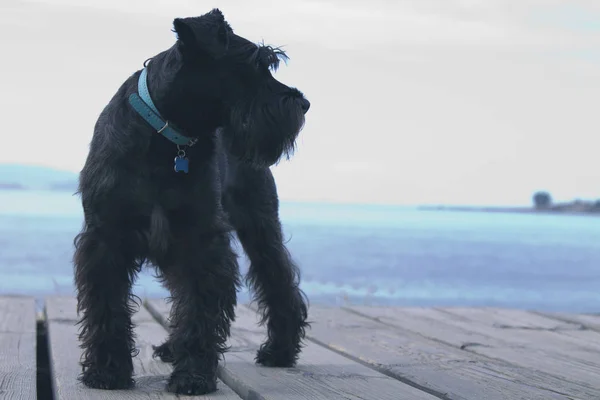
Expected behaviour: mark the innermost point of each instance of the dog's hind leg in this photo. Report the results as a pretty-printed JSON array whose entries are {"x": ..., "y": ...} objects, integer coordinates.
[
  {"x": 253, "y": 207},
  {"x": 105, "y": 268},
  {"x": 164, "y": 351},
  {"x": 203, "y": 280}
]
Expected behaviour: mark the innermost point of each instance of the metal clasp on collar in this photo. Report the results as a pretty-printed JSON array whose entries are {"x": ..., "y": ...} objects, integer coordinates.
[{"x": 164, "y": 127}]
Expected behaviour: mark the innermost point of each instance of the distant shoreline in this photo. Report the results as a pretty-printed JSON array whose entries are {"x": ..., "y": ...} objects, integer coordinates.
[
  {"x": 577, "y": 207},
  {"x": 513, "y": 210},
  {"x": 53, "y": 187}
]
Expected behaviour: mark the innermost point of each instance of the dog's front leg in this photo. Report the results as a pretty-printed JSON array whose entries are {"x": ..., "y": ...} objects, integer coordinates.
[
  {"x": 273, "y": 275},
  {"x": 275, "y": 282},
  {"x": 104, "y": 272},
  {"x": 203, "y": 281}
]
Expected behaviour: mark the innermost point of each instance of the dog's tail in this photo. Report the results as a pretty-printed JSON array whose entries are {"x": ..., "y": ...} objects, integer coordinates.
[{"x": 158, "y": 240}]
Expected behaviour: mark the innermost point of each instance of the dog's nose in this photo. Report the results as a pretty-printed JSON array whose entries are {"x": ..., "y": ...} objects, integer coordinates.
[{"x": 305, "y": 105}]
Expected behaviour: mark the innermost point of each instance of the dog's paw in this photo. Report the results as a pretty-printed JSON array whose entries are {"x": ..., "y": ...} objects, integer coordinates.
[
  {"x": 270, "y": 355},
  {"x": 107, "y": 379},
  {"x": 191, "y": 384},
  {"x": 163, "y": 352}
]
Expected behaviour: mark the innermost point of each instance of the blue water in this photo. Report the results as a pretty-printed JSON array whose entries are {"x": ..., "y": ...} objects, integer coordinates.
[{"x": 357, "y": 254}]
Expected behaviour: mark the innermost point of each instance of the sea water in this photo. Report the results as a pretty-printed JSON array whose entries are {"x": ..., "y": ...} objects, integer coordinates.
[{"x": 356, "y": 254}]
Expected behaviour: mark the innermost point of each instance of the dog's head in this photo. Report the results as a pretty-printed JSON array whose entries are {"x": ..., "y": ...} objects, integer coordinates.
[{"x": 231, "y": 78}]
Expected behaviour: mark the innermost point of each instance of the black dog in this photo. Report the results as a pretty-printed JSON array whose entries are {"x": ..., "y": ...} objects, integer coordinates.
[{"x": 228, "y": 121}]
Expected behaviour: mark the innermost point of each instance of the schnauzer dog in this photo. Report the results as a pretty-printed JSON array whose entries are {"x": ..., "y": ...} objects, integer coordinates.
[{"x": 211, "y": 104}]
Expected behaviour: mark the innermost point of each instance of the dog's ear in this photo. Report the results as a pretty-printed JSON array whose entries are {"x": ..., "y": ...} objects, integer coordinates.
[{"x": 208, "y": 33}]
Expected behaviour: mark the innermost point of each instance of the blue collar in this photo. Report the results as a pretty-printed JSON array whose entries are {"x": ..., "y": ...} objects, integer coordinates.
[{"x": 144, "y": 105}]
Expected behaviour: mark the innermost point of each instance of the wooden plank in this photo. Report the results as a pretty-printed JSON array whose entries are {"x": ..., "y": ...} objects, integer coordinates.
[
  {"x": 440, "y": 369},
  {"x": 587, "y": 321},
  {"x": 17, "y": 348},
  {"x": 579, "y": 376},
  {"x": 151, "y": 375},
  {"x": 320, "y": 374}
]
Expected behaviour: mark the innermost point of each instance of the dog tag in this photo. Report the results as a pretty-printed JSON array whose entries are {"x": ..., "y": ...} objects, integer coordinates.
[{"x": 181, "y": 164}]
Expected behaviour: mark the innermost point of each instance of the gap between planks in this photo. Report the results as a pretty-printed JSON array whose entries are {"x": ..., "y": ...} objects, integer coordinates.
[{"x": 586, "y": 321}]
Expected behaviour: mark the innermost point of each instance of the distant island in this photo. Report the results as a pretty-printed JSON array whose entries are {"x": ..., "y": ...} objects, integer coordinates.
[
  {"x": 542, "y": 203},
  {"x": 34, "y": 177}
]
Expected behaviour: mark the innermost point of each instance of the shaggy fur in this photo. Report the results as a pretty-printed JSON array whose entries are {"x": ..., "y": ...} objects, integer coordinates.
[{"x": 217, "y": 87}]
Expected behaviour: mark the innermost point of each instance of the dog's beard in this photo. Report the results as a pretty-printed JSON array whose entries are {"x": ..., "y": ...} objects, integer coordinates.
[{"x": 262, "y": 133}]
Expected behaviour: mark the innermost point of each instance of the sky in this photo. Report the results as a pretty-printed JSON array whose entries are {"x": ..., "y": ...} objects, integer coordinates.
[{"x": 413, "y": 101}]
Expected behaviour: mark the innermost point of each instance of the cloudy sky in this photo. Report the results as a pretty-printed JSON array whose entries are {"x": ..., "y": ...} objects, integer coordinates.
[{"x": 413, "y": 101}]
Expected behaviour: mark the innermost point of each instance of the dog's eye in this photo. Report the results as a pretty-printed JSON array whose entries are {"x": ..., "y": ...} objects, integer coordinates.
[
  {"x": 262, "y": 62},
  {"x": 264, "y": 66}
]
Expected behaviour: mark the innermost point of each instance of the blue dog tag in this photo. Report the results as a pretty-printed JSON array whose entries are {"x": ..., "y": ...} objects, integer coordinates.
[{"x": 181, "y": 164}]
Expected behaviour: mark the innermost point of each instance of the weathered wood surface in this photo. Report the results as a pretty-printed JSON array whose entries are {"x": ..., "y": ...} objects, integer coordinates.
[
  {"x": 356, "y": 353},
  {"x": 442, "y": 369},
  {"x": 320, "y": 374},
  {"x": 17, "y": 348},
  {"x": 151, "y": 375},
  {"x": 516, "y": 337}
]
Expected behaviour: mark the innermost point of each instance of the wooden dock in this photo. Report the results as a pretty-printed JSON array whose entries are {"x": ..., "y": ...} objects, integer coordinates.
[{"x": 378, "y": 353}]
